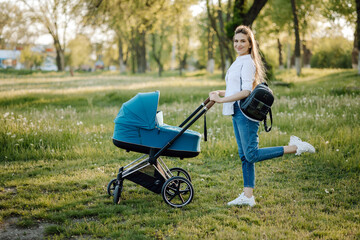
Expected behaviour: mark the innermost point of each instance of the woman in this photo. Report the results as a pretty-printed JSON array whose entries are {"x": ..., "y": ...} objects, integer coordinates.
[{"x": 249, "y": 67}]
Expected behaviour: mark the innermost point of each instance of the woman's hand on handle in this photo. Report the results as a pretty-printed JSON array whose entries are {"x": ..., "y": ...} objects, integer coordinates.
[{"x": 214, "y": 96}]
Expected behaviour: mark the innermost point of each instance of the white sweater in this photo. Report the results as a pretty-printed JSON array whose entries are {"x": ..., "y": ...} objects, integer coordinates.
[{"x": 243, "y": 67}]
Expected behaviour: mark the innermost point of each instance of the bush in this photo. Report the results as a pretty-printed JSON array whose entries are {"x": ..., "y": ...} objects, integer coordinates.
[{"x": 330, "y": 55}]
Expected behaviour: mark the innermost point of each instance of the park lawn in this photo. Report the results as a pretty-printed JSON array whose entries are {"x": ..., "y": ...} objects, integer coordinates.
[{"x": 57, "y": 157}]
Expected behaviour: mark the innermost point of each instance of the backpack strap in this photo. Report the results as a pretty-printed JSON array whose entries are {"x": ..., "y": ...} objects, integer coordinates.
[{"x": 265, "y": 125}]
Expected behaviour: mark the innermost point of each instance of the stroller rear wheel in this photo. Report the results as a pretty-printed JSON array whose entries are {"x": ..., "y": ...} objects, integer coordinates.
[
  {"x": 176, "y": 171},
  {"x": 177, "y": 191},
  {"x": 117, "y": 192}
]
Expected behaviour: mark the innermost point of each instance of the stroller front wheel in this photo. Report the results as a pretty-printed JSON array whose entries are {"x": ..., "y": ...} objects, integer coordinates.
[
  {"x": 117, "y": 193},
  {"x": 177, "y": 191},
  {"x": 111, "y": 187}
]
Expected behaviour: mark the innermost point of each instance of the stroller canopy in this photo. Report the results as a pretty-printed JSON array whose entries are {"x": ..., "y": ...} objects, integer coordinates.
[{"x": 140, "y": 111}]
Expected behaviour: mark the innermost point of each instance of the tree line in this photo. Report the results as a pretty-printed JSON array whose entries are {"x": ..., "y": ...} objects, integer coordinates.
[{"x": 154, "y": 33}]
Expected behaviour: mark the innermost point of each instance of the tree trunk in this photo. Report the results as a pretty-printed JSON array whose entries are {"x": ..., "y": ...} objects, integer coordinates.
[
  {"x": 122, "y": 66},
  {"x": 355, "y": 52},
  {"x": 297, "y": 39},
  {"x": 358, "y": 30},
  {"x": 211, "y": 61},
  {"x": 306, "y": 56},
  {"x": 288, "y": 62},
  {"x": 281, "y": 65},
  {"x": 214, "y": 26},
  {"x": 157, "y": 53},
  {"x": 253, "y": 12},
  {"x": 143, "y": 52},
  {"x": 60, "y": 56},
  {"x": 221, "y": 40}
]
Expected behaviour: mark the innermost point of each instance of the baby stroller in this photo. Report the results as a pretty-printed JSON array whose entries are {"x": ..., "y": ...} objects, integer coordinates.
[{"x": 139, "y": 128}]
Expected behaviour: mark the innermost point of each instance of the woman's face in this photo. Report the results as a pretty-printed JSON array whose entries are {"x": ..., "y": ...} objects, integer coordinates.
[{"x": 241, "y": 44}]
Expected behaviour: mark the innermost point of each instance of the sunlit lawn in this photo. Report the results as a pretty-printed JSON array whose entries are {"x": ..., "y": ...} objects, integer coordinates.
[{"x": 57, "y": 157}]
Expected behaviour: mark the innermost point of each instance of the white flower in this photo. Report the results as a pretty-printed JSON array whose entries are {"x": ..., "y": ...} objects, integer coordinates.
[
  {"x": 337, "y": 150},
  {"x": 6, "y": 114},
  {"x": 13, "y": 136},
  {"x": 79, "y": 123},
  {"x": 21, "y": 140},
  {"x": 327, "y": 191}
]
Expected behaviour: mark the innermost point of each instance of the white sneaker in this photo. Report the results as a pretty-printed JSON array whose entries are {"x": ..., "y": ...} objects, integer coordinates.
[
  {"x": 301, "y": 146},
  {"x": 243, "y": 200}
]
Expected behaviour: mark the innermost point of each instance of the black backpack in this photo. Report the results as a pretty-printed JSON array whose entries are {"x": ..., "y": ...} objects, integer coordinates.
[{"x": 258, "y": 104}]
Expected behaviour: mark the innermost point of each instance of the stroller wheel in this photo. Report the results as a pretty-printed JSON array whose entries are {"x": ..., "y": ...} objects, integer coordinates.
[
  {"x": 111, "y": 187},
  {"x": 177, "y": 191},
  {"x": 117, "y": 192},
  {"x": 180, "y": 172}
]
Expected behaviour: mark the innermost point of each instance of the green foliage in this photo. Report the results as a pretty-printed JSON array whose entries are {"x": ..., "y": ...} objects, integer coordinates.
[
  {"x": 30, "y": 58},
  {"x": 57, "y": 157},
  {"x": 332, "y": 53},
  {"x": 80, "y": 50}
]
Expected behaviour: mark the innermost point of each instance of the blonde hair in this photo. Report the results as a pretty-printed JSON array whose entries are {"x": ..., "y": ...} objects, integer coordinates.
[{"x": 254, "y": 52}]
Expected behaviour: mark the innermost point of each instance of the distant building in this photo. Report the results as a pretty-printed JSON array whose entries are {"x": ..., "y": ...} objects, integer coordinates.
[
  {"x": 10, "y": 59},
  {"x": 49, "y": 63},
  {"x": 99, "y": 64}
]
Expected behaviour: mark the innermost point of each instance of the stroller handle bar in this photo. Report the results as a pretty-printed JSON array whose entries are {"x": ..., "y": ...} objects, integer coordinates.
[{"x": 207, "y": 104}]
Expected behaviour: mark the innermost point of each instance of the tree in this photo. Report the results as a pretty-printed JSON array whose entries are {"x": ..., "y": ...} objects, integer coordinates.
[
  {"x": 297, "y": 39},
  {"x": 157, "y": 42},
  {"x": 55, "y": 16},
  {"x": 242, "y": 16},
  {"x": 132, "y": 21},
  {"x": 31, "y": 59},
  {"x": 350, "y": 11},
  {"x": 80, "y": 51},
  {"x": 358, "y": 30},
  {"x": 13, "y": 25}
]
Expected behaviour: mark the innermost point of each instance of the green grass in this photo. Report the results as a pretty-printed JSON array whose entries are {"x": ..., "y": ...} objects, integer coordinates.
[{"x": 56, "y": 158}]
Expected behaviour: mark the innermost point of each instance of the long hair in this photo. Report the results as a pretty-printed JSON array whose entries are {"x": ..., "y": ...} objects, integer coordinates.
[{"x": 254, "y": 52}]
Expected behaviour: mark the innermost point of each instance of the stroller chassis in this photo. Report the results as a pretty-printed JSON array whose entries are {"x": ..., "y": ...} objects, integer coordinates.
[{"x": 177, "y": 191}]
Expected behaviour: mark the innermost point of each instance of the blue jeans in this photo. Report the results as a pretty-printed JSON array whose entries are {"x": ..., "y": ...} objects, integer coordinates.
[{"x": 248, "y": 146}]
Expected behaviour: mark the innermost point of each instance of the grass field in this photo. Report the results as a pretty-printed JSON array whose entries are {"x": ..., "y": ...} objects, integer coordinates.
[{"x": 57, "y": 157}]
